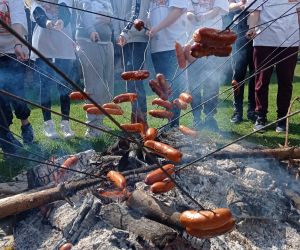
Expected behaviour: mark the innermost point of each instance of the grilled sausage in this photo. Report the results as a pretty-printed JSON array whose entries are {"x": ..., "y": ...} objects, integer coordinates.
[
  {"x": 187, "y": 131},
  {"x": 135, "y": 75},
  {"x": 66, "y": 246},
  {"x": 205, "y": 220},
  {"x": 158, "y": 175},
  {"x": 128, "y": 97},
  {"x": 133, "y": 128},
  {"x": 138, "y": 24},
  {"x": 117, "y": 179},
  {"x": 77, "y": 96},
  {"x": 162, "y": 187},
  {"x": 180, "y": 104},
  {"x": 222, "y": 52},
  {"x": 186, "y": 97},
  {"x": 163, "y": 84},
  {"x": 156, "y": 88},
  {"x": 161, "y": 114},
  {"x": 164, "y": 150},
  {"x": 210, "y": 233},
  {"x": 96, "y": 111},
  {"x": 180, "y": 56},
  {"x": 198, "y": 50},
  {"x": 160, "y": 102},
  {"x": 87, "y": 106},
  {"x": 111, "y": 105},
  {"x": 151, "y": 134}
]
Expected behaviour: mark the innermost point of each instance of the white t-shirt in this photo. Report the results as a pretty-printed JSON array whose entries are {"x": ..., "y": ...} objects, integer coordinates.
[
  {"x": 52, "y": 43},
  {"x": 165, "y": 39},
  {"x": 200, "y": 7},
  {"x": 279, "y": 30},
  {"x": 12, "y": 12}
]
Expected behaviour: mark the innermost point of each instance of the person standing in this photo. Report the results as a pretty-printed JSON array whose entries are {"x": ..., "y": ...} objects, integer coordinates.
[
  {"x": 281, "y": 41},
  {"x": 203, "y": 75},
  {"x": 96, "y": 55},
  {"x": 134, "y": 45},
  {"x": 168, "y": 25},
  {"x": 51, "y": 36},
  {"x": 241, "y": 60},
  {"x": 12, "y": 75}
]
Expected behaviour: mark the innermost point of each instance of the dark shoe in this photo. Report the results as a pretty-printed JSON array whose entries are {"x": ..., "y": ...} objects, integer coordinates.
[
  {"x": 211, "y": 123},
  {"x": 280, "y": 128},
  {"x": 9, "y": 143},
  {"x": 27, "y": 133},
  {"x": 251, "y": 116},
  {"x": 259, "y": 124},
  {"x": 236, "y": 118}
]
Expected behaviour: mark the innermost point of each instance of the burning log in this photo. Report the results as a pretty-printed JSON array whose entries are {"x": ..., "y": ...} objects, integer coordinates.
[
  {"x": 22, "y": 202},
  {"x": 278, "y": 153}
]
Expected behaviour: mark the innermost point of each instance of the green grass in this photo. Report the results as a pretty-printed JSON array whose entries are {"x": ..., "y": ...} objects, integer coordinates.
[{"x": 229, "y": 131}]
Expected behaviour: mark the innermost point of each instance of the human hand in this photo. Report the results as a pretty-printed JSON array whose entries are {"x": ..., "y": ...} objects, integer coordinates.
[
  {"x": 152, "y": 32},
  {"x": 251, "y": 33},
  {"x": 94, "y": 36},
  {"x": 121, "y": 41},
  {"x": 58, "y": 25},
  {"x": 20, "y": 53}
]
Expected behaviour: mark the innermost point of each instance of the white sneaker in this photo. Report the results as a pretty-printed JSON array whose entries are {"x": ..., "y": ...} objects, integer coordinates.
[
  {"x": 92, "y": 133},
  {"x": 49, "y": 130},
  {"x": 66, "y": 130}
]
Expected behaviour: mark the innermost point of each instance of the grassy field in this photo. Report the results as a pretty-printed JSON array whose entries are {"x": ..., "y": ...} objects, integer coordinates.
[{"x": 228, "y": 130}]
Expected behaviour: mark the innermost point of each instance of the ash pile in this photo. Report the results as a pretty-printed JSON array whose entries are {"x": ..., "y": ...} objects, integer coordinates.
[{"x": 261, "y": 194}]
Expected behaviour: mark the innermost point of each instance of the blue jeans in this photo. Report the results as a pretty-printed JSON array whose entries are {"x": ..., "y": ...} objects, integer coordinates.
[
  {"x": 64, "y": 65},
  {"x": 12, "y": 80},
  {"x": 134, "y": 60},
  {"x": 166, "y": 63}
]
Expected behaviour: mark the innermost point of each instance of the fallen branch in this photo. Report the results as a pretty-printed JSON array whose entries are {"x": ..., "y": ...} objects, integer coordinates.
[
  {"x": 22, "y": 202},
  {"x": 278, "y": 153}
]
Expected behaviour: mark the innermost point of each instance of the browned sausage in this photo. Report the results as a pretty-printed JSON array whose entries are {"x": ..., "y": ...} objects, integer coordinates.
[
  {"x": 151, "y": 134},
  {"x": 133, "y": 128},
  {"x": 213, "y": 37},
  {"x": 66, "y": 246},
  {"x": 210, "y": 233},
  {"x": 164, "y": 150},
  {"x": 160, "y": 102},
  {"x": 161, "y": 114},
  {"x": 77, "y": 96},
  {"x": 162, "y": 187},
  {"x": 114, "y": 195},
  {"x": 128, "y": 97},
  {"x": 163, "y": 84},
  {"x": 180, "y": 56},
  {"x": 222, "y": 52},
  {"x": 156, "y": 88},
  {"x": 205, "y": 220},
  {"x": 180, "y": 104},
  {"x": 135, "y": 75},
  {"x": 138, "y": 24},
  {"x": 117, "y": 179},
  {"x": 187, "y": 131},
  {"x": 198, "y": 50},
  {"x": 186, "y": 97},
  {"x": 87, "y": 106},
  {"x": 96, "y": 111},
  {"x": 158, "y": 175},
  {"x": 111, "y": 105}
]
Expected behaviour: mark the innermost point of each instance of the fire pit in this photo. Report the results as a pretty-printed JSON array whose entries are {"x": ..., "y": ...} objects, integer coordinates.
[{"x": 259, "y": 191}]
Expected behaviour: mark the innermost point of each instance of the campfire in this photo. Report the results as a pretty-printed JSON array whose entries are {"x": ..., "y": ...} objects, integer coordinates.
[{"x": 91, "y": 213}]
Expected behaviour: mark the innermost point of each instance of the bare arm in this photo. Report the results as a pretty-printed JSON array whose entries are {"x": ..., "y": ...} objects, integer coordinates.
[
  {"x": 253, "y": 22},
  {"x": 172, "y": 17},
  {"x": 20, "y": 53},
  {"x": 236, "y": 6}
]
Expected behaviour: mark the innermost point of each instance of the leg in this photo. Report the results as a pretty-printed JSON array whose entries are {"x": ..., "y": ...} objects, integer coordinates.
[
  {"x": 285, "y": 74},
  {"x": 251, "y": 84}
]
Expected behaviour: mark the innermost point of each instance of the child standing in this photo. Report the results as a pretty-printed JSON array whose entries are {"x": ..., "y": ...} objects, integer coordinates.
[
  {"x": 49, "y": 38},
  {"x": 96, "y": 55},
  {"x": 202, "y": 74}
]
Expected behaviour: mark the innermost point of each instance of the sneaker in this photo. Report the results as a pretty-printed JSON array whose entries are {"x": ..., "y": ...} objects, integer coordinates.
[
  {"x": 27, "y": 133},
  {"x": 280, "y": 128},
  {"x": 211, "y": 123},
  {"x": 236, "y": 118},
  {"x": 66, "y": 130},
  {"x": 9, "y": 143},
  {"x": 251, "y": 116},
  {"x": 49, "y": 130},
  {"x": 259, "y": 124},
  {"x": 92, "y": 133}
]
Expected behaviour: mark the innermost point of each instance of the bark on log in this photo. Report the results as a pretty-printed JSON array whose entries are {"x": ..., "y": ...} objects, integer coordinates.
[
  {"x": 154, "y": 209},
  {"x": 122, "y": 218},
  {"x": 22, "y": 202},
  {"x": 278, "y": 153}
]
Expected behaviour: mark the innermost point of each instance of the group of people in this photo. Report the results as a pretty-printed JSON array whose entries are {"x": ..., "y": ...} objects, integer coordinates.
[{"x": 261, "y": 43}]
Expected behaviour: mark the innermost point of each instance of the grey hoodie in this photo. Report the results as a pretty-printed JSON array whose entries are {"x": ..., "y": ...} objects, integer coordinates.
[{"x": 139, "y": 9}]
